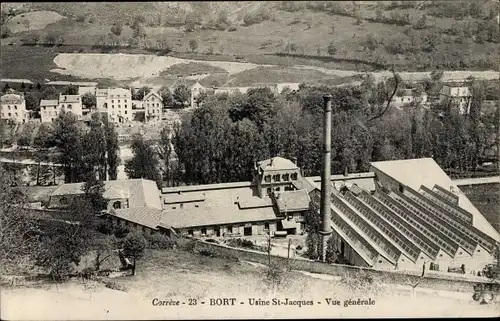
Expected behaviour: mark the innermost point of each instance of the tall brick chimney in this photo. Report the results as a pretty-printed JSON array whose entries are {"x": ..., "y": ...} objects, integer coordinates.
[{"x": 325, "y": 208}]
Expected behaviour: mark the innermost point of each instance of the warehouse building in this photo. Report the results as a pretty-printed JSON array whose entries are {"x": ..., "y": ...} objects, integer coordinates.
[{"x": 401, "y": 215}]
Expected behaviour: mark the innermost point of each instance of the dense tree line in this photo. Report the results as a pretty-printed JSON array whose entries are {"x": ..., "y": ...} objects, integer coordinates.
[
  {"x": 222, "y": 139},
  {"x": 82, "y": 150}
]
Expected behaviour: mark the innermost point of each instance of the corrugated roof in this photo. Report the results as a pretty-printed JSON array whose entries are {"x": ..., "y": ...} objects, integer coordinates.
[
  {"x": 289, "y": 201},
  {"x": 425, "y": 171}
]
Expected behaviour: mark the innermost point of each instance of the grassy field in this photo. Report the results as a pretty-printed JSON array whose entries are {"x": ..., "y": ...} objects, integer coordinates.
[
  {"x": 190, "y": 278},
  {"x": 486, "y": 197},
  {"x": 30, "y": 21}
]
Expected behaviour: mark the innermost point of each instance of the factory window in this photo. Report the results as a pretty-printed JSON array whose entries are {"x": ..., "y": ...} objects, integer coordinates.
[
  {"x": 379, "y": 261},
  {"x": 196, "y": 205},
  {"x": 276, "y": 178},
  {"x": 173, "y": 207},
  {"x": 440, "y": 255},
  {"x": 478, "y": 250},
  {"x": 190, "y": 232},
  {"x": 267, "y": 178},
  {"x": 459, "y": 253},
  {"x": 286, "y": 177},
  {"x": 15, "y": 106},
  {"x": 125, "y": 112},
  {"x": 401, "y": 188},
  {"x": 268, "y": 189},
  {"x": 181, "y": 205},
  {"x": 112, "y": 101},
  {"x": 204, "y": 231},
  {"x": 230, "y": 229},
  {"x": 266, "y": 226},
  {"x": 118, "y": 100},
  {"x": 117, "y": 205},
  {"x": 294, "y": 176}
]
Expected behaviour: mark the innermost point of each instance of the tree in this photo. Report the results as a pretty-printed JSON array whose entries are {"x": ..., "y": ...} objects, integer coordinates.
[
  {"x": 139, "y": 31},
  {"x": 6, "y": 88},
  {"x": 117, "y": 29},
  {"x": 182, "y": 94},
  {"x": 144, "y": 163},
  {"x": 5, "y": 32},
  {"x": 166, "y": 96},
  {"x": 421, "y": 23},
  {"x": 134, "y": 246},
  {"x": 141, "y": 92},
  {"x": 32, "y": 102},
  {"x": 18, "y": 226},
  {"x": 68, "y": 139},
  {"x": 94, "y": 192},
  {"x": 89, "y": 100},
  {"x": 165, "y": 151},
  {"x": 112, "y": 149},
  {"x": 70, "y": 90},
  {"x": 193, "y": 45},
  {"x": 332, "y": 50},
  {"x": 49, "y": 93}
]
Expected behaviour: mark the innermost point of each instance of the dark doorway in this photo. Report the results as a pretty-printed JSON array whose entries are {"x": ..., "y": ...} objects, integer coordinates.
[
  {"x": 217, "y": 231},
  {"x": 247, "y": 231},
  {"x": 342, "y": 247}
]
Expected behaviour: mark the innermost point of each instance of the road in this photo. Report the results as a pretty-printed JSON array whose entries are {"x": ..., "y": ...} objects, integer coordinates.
[{"x": 477, "y": 180}]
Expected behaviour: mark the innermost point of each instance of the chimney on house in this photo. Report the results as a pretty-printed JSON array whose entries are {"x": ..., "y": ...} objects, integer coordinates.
[
  {"x": 325, "y": 211},
  {"x": 271, "y": 163},
  {"x": 294, "y": 160},
  {"x": 346, "y": 171}
]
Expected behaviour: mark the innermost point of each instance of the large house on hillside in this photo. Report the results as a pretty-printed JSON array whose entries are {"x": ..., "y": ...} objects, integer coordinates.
[
  {"x": 51, "y": 108},
  {"x": 398, "y": 216},
  {"x": 458, "y": 94},
  {"x": 117, "y": 102},
  {"x": 13, "y": 108}
]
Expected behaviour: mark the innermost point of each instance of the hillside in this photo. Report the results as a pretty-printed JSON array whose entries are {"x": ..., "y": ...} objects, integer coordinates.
[
  {"x": 411, "y": 34},
  {"x": 182, "y": 276}
]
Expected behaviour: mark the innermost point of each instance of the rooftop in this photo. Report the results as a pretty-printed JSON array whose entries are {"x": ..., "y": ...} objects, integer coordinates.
[
  {"x": 426, "y": 172},
  {"x": 140, "y": 192},
  {"x": 11, "y": 99},
  {"x": 69, "y": 98},
  {"x": 216, "y": 206},
  {"x": 277, "y": 163},
  {"x": 290, "y": 201},
  {"x": 49, "y": 102}
]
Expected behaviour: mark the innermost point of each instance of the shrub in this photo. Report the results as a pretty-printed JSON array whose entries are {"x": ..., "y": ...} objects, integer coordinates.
[
  {"x": 80, "y": 18},
  {"x": 159, "y": 241},
  {"x": 115, "y": 286},
  {"x": 207, "y": 252}
]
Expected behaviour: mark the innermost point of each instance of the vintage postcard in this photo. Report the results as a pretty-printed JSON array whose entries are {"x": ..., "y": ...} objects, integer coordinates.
[{"x": 249, "y": 159}]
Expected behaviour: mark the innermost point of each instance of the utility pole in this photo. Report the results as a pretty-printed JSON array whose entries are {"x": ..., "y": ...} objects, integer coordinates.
[
  {"x": 325, "y": 211},
  {"x": 288, "y": 256},
  {"x": 269, "y": 250}
]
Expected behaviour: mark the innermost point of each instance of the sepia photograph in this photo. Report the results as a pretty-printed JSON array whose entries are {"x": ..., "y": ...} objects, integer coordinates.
[{"x": 249, "y": 160}]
